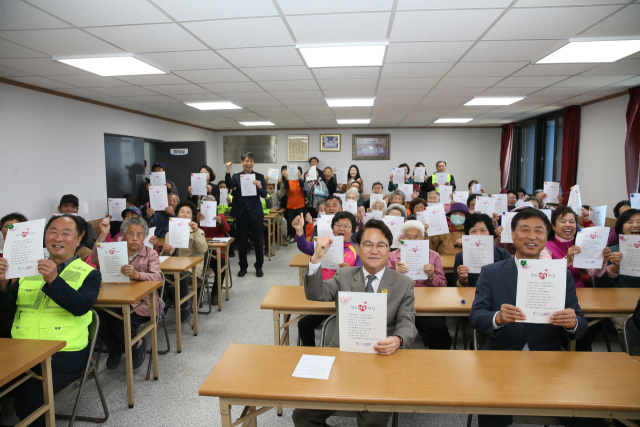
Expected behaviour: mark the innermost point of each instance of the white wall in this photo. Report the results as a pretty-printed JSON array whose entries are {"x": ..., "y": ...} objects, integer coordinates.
[
  {"x": 469, "y": 153},
  {"x": 601, "y": 171},
  {"x": 52, "y": 146}
]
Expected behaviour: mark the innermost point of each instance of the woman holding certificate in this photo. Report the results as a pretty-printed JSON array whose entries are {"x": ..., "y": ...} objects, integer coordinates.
[
  {"x": 211, "y": 186},
  {"x": 451, "y": 242},
  {"x": 143, "y": 265}
]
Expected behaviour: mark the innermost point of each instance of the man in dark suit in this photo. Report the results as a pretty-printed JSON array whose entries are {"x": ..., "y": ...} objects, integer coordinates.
[
  {"x": 248, "y": 212},
  {"x": 494, "y": 312},
  {"x": 373, "y": 242}
]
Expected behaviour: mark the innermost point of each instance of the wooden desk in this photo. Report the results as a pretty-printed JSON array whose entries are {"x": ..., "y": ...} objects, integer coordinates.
[
  {"x": 122, "y": 295},
  {"x": 218, "y": 256},
  {"x": 302, "y": 262},
  {"x": 448, "y": 262},
  {"x": 271, "y": 219},
  {"x": 442, "y": 381},
  {"x": 17, "y": 357},
  {"x": 160, "y": 242},
  {"x": 177, "y": 265}
]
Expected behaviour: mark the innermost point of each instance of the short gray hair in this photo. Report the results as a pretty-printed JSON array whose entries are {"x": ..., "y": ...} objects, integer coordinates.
[
  {"x": 134, "y": 220},
  {"x": 173, "y": 194},
  {"x": 434, "y": 192},
  {"x": 352, "y": 191},
  {"x": 208, "y": 198},
  {"x": 397, "y": 193},
  {"x": 398, "y": 207}
]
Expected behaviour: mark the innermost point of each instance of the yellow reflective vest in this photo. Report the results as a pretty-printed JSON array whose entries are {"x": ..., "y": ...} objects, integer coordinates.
[{"x": 433, "y": 180}]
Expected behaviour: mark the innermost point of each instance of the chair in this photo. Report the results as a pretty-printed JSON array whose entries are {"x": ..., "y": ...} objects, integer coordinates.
[
  {"x": 631, "y": 335},
  {"x": 90, "y": 372},
  {"x": 166, "y": 331},
  {"x": 328, "y": 329},
  {"x": 205, "y": 283},
  {"x": 460, "y": 322}
]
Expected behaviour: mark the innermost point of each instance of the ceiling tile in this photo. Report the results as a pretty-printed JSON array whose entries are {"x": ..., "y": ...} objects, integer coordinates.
[
  {"x": 465, "y": 82},
  {"x": 635, "y": 81},
  {"x": 560, "y": 91},
  {"x": 553, "y": 70},
  {"x": 436, "y": 25},
  {"x": 213, "y": 76},
  {"x": 195, "y": 10},
  {"x": 486, "y": 69},
  {"x": 89, "y": 13},
  {"x": 349, "y": 93},
  {"x": 515, "y": 50},
  {"x": 242, "y": 96},
  {"x": 90, "y": 80},
  {"x": 42, "y": 82},
  {"x": 181, "y": 89},
  {"x": 297, "y": 7},
  {"x": 16, "y": 15},
  {"x": 278, "y": 73},
  {"x": 41, "y": 66},
  {"x": 593, "y": 81},
  {"x": 154, "y": 79},
  {"x": 426, "y": 51},
  {"x": 265, "y": 103},
  {"x": 455, "y": 92},
  {"x": 150, "y": 99},
  {"x": 539, "y": 3},
  {"x": 416, "y": 94},
  {"x": 623, "y": 66},
  {"x": 342, "y": 84},
  {"x": 534, "y": 81},
  {"x": 148, "y": 38},
  {"x": 416, "y": 70},
  {"x": 189, "y": 60},
  {"x": 262, "y": 56},
  {"x": 304, "y": 101},
  {"x": 547, "y": 23},
  {"x": 123, "y": 91},
  {"x": 347, "y": 73},
  {"x": 353, "y": 27},
  {"x": 282, "y": 86},
  {"x": 407, "y": 83},
  {"x": 508, "y": 91},
  {"x": 60, "y": 42},
  {"x": 451, "y": 4},
  {"x": 232, "y": 87},
  {"x": 198, "y": 97},
  {"x": 233, "y": 33},
  {"x": 623, "y": 23},
  {"x": 302, "y": 94},
  {"x": 83, "y": 93},
  {"x": 12, "y": 50}
]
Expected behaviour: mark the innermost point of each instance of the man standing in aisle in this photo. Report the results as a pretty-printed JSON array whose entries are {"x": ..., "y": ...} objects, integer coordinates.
[{"x": 248, "y": 212}]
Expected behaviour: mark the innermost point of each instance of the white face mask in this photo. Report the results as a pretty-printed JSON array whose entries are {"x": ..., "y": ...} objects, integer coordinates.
[{"x": 457, "y": 219}]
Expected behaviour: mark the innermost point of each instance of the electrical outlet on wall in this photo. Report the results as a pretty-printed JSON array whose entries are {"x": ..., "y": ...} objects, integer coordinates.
[{"x": 86, "y": 208}]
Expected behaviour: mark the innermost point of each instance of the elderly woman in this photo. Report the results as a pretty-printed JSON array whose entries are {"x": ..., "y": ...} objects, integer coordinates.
[
  {"x": 379, "y": 205},
  {"x": 433, "y": 330},
  {"x": 354, "y": 195},
  {"x": 618, "y": 209},
  {"x": 143, "y": 265},
  {"x": 397, "y": 197},
  {"x": 451, "y": 243},
  {"x": 396, "y": 210},
  {"x": 416, "y": 205},
  {"x": 434, "y": 197},
  {"x": 197, "y": 248},
  {"x": 476, "y": 225}
]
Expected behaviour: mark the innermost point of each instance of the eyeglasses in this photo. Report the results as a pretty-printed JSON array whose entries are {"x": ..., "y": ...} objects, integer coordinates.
[
  {"x": 512, "y": 198},
  {"x": 381, "y": 246},
  {"x": 342, "y": 226}
]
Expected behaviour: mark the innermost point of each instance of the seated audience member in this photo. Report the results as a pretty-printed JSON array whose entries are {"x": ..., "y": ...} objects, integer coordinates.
[
  {"x": 343, "y": 224},
  {"x": 430, "y": 183},
  {"x": 353, "y": 195},
  {"x": 433, "y": 329},
  {"x": 373, "y": 242},
  {"x": 619, "y": 208},
  {"x": 471, "y": 203},
  {"x": 171, "y": 187},
  {"x": 115, "y": 225},
  {"x": 376, "y": 188},
  {"x": 353, "y": 174},
  {"x": 316, "y": 191},
  {"x": 360, "y": 199},
  {"x": 451, "y": 243},
  {"x": 397, "y": 197},
  {"x": 212, "y": 188},
  {"x": 329, "y": 180},
  {"x": 197, "y": 248},
  {"x": 314, "y": 162},
  {"x": 69, "y": 204},
  {"x": 6, "y": 317},
  {"x": 332, "y": 205},
  {"x": 534, "y": 202},
  {"x": 408, "y": 179},
  {"x": 62, "y": 292},
  {"x": 434, "y": 197},
  {"x": 219, "y": 230},
  {"x": 295, "y": 199},
  {"x": 471, "y": 184},
  {"x": 310, "y": 222},
  {"x": 494, "y": 312},
  {"x": 396, "y": 210},
  {"x": 128, "y": 212},
  {"x": 160, "y": 219},
  {"x": 522, "y": 193},
  {"x": 627, "y": 224},
  {"x": 416, "y": 205},
  {"x": 512, "y": 198},
  {"x": 379, "y": 205},
  {"x": 144, "y": 264},
  {"x": 541, "y": 195},
  {"x": 476, "y": 225}
]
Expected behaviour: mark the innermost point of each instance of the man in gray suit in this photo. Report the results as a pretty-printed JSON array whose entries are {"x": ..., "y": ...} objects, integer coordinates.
[{"x": 373, "y": 242}]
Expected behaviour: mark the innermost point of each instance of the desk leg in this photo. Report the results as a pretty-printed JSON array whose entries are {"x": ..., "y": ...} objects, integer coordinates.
[
  {"x": 47, "y": 390},
  {"x": 225, "y": 413},
  {"x": 176, "y": 303},
  {"x": 226, "y": 282},
  {"x": 278, "y": 230},
  {"x": 572, "y": 345},
  {"x": 154, "y": 334},
  {"x": 219, "y": 264},
  {"x": 287, "y": 317},
  {"x": 301, "y": 274},
  {"x": 195, "y": 302},
  {"x": 269, "y": 237},
  {"x": 276, "y": 327},
  {"x": 126, "y": 317}
]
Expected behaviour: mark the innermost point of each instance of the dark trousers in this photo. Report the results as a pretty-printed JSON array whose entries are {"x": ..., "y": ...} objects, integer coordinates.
[
  {"x": 291, "y": 214},
  {"x": 214, "y": 267},
  {"x": 434, "y": 332},
  {"x": 313, "y": 212},
  {"x": 29, "y": 395},
  {"x": 507, "y": 420},
  {"x": 584, "y": 343},
  {"x": 318, "y": 417},
  {"x": 111, "y": 330},
  {"x": 184, "y": 289},
  {"x": 243, "y": 225},
  {"x": 307, "y": 327}
]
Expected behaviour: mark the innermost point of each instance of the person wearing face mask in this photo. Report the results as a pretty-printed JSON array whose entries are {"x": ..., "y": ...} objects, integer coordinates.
[{"x": 451, "y": 243}]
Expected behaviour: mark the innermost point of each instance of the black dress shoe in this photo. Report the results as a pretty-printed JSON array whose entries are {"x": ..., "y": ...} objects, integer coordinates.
[
  {"x": 259, "y": 272},
  {"x": 242, "y": 272}
]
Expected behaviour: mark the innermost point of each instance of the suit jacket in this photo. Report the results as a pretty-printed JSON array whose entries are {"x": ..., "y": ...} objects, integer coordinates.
[
  {"x": 242, "y": 203},
  {"x": 400, "y": 300},
  {"x": 498, "y": 255},
  {"x": 497, "y": 285}
]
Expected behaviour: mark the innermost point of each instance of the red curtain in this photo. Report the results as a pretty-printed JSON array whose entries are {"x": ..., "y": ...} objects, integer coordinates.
[
  {"x": 570, "y": 145},
  {"x": 632, "y": 143},
  {"x": 506, "y": 147}
]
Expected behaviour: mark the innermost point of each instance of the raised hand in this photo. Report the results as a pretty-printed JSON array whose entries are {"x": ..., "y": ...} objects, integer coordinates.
[
  {"x": 228, "y": 165},
  {"x": 463, "y": 274},
  {"x": 322, "y": 247},
  {"x": 298, "y": 225}
]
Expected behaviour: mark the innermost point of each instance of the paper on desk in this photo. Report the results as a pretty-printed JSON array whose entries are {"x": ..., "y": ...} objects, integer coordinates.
[
  {"x": 419, "y": 173},
  {"x": 224, "y": 193},
  {"x": 163, "y": 259},
  {"x": 112, "y": 257},
  {"x": 324, "y": 225},
  {"x": 158, "y": 179},
  {"x": 313, "y": 174},
  {"x": 398, "y": 175},
  {"x": 315, "y": 367},
  {"x": 485, "y": 205},
  {"x": 247, "y": 186},
  {"x": 152, "y": 232},
  {"x": 341, "y": 175},
  {"x": 179, "y": 232},
  {"x": 23, "y": 248},
  {"x": 220, "y": 240},
  {"x": 460, "y": 197},
  {"x": 541, "y": 289},
  {"x": 363, "y": 320},
  {"x": 199, "y": 184},
  {"x": 116, "y": 206},
  {"x": 552, "y": 190},
  {"x": 598, "y": 215},
  {"x": 592, "y": 242},
  {"x": 505, "y": 236},
  {"x": 630, "y": 250},
  {"x": 158, "y": 199}
]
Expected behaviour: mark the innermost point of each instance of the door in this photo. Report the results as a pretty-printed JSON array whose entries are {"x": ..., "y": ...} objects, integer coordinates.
[
  {"x": 181, "y": 159},
  {"x": 124, "y": 164}
]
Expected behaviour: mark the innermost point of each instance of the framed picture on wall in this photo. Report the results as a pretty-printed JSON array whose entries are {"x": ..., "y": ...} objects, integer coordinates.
[
  {"x": 330, "y": 142},
  {"x": 297, "y": 148},
  {"x": 371, "y": 147}
]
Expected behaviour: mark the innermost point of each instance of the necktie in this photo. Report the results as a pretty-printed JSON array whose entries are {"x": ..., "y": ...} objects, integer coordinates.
[{"x": 369, "y": 287}]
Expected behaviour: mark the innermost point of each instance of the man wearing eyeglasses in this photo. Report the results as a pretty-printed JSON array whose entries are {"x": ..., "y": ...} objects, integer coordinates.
[{"x": 373, "y": 242}]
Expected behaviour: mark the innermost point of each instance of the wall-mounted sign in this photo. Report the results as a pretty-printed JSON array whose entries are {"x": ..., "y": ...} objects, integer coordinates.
[{"x": 179, "y": 151}]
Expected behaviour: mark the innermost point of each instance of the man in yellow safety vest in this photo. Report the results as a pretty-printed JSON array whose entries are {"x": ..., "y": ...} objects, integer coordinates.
[{"x": 431, "y": 184}]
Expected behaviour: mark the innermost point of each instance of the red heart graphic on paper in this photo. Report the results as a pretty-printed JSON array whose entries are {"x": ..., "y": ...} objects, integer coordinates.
[
  {"x": 191, "y": 174},
  {"x": 484, "y": 202},
  {"x": 362, "y": 307},
  {"x": 24, "y": 234},
  {"x": 179, "y": 224},
  {"x": 593, "y": 236},
  {"x": 598, "y": 212},
  {"x": 157, "y": 191},
  {"x": 111, "y": 251},
  {"x": 542, "y": 275},
  {"x": 637, "y": 245},
  {"x": 576, "y": 191},
  {"x": 415, "y": 250},
  {"x": 477, "y": 244},
  {"x": 546, "y": 269}
]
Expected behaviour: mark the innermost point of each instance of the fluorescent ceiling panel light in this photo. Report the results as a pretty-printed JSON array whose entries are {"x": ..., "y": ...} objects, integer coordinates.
[
  {"x": 592, "y": 51},
  {"x": 453, "y": 120},
  {"x": 350, "y": 102},
  {"x": 214, "y": 105},
  {"x": 343, "y": 56},
  {"x": 111, "y": 65},
  {"x": 494, "y": 100},
  {"x": 354, "y": 121},
  {"x": 257, "y": 123}
]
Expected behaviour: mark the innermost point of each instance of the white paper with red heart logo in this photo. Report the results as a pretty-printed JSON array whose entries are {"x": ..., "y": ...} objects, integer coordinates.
[
  {"x": 112, "y": 256},
  {"x": 505, "y": 236},
  {"x": 116, "y": 206},
  {"x": 23, "y": 248},
  {"x": 460, "y": 197},
  {"x": 542, "y": 289},
  {"x": 398, "y": 175},
  {"x": 407, "y": 189},
  {"x": 441, "y": 179},
  {"x": 350, "y": 206},
  {"x": 210, "y": 211},
  {"x": 437, "y": 220},
  {"x": 324, "y": 225},
  {"x": 373, "y": 198},
  {"x": 224, "y": 193},
  {"x": 414, "y": 254},
  {"x": 247, "y": 186},
  {"x": 575, "y": 202},
  {"x": 446, "y": 191},
  {"x": 419, "y": 173},
  {"x": 476, "y": 188},
  {"x": 592, "y": 242},
  {"x": 371, "y": 215},
  {"x": 313, "y": 174},
  {"x": 552, "y": 190},
  {"x": 341, "y": 196},
  {"x": 395, "y": 224},
  {"x": 292, "y": 172},
  {"x": 158, "y": 199},
  {"x": 547, "y": 212},
  {"x": 485, "y": 205},
  {"x": 152, "y": 232},
  {"x": 341, "y": 175},
  {"x": 179, "y": 232},
  {"x": 363, "y": 320},
  {"x": 477, "y": 251},
  {"x": 598, "y": 215},
  {"x": 272, "y": 175},
  {"x": 634, "y": 199},
  {"x": 630, "y": 250},
  {"x": 501, "y": 203},
  {"x": 335, "y": 255},
  {"x": 199, "y": 184},
  {"x": 158, "y": 178}
]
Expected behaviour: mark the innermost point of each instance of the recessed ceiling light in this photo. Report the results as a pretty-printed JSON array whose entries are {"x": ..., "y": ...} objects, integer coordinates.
[
  {"x": 343, "y": 56},
  {"x": 224, "y": 105},
  {"x": 257, "y": 123},
  {"x": 110, "y": 65},
  {"x": 353, "y": 121},
  {"x": 453, "y": 120},
  {"x": 350, "y": 102},
  {"x": 592, "y": 51},
  {"x": 494, "y": 100}
]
